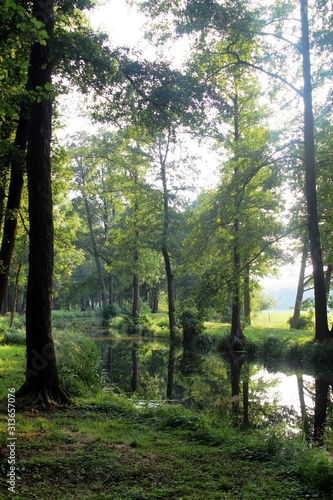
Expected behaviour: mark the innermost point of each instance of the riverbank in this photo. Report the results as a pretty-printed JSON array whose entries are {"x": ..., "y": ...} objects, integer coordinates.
[{"x": 105, "y": 447}]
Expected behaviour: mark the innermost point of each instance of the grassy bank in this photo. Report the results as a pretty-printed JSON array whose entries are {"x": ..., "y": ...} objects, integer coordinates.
[
  {"x": 107, "y": 449},
  {"x": 104, "y": 447}
]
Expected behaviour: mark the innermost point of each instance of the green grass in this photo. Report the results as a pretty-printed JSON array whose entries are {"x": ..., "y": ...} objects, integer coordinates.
[
  {"x": 104, "y": 447},
  {"x": 272, "y": 319}
]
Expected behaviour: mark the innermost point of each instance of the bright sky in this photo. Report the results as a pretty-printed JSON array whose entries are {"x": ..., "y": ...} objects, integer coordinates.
[{"x": 123, "y": 23}]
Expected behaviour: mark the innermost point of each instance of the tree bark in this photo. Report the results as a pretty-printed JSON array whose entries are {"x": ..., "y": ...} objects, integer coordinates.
[
  {"x": 172, "y": 322},
  {"x": 236, "y": 335},
  {"x": 236, "y": 328},
  {"x": 321, "y": 325},
  {"x": 168, "y": 271},
  {"x": 247, "y": 296},
  {"x": 328, "y": 277},
  {"x": 95, "y": 252},
  {"x": 295, "y": 320},
  {"x": 42, "y": 383},
  {"x": 14, "y": 201}
]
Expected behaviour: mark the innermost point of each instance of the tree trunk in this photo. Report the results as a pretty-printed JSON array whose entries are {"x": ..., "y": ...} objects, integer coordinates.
[
  {"x": 95, "y": 252},
  {"x": 135, "y": 368},
  {"x": 42, "y": 383},
  {"x": 321, "y": 398},
  {"x": 136, "y": 282},
  {"x": 328, "y": 278},
  {"x": 247, "y": 296},
  {"x": 295, "y": 320},
  {"x": 172, "y": 322},
  {"x": 2, "y": 199},
  {"x": 321, "y": 332},
  {"x": 236, "y": 364},
  {"x": 111, "y": 289},
  {"x": 13, "y": 202},
  {"x": 136, "y": 301},
  {"x": 305, "y": 418},
  {"x": 236, "y": 335},
  {"x": 12, "y": 313},
  {"x": 168, "y": 270}
]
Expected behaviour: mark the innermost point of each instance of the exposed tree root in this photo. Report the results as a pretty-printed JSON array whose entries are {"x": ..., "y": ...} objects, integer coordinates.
[{"x": 45, "y": 397}]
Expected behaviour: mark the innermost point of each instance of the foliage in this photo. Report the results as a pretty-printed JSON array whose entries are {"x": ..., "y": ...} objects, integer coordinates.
[
  {"x": 79, "y": 363},
  {"x": 110, "y": 311},
  {"x": 16, "y": 337},
  {"x": 306, "y": 322},
  {"x": 142, "y": 325}
]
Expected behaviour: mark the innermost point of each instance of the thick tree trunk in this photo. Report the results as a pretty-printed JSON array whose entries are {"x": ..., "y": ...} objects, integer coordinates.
[
  {"x": 295, "y": 320},
  {"x": 13, "y": 202},
  {"x": 322, "y": 331},
  {"x": 42, "y": 383}
]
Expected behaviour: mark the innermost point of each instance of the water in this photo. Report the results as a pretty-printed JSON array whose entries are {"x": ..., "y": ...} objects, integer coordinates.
[{"x": 208, "y": 382}]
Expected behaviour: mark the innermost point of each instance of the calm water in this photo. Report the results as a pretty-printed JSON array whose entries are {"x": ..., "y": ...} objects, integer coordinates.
[{"x": 208, "y": 381}]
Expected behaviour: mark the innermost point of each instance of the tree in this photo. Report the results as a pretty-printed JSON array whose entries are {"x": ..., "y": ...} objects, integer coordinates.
[
  {"x": 322, "y": 331},
  {"x": 236, "y": 24},
  {"x": 42, "y": 382}
]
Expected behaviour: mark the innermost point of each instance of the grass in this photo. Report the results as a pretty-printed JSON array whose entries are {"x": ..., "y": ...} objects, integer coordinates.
[
  {"x": 104, "y": 447},
  {"x": 272, "y": 319}
]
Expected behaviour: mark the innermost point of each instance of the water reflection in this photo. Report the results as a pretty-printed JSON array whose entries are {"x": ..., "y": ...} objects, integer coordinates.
[{"x": 228, "y": 386}]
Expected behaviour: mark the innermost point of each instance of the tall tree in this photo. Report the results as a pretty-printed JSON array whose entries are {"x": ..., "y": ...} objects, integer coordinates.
[
  {"x": 42, "y": 381},
  {"x": 280, "y": 55},
  {"x": 322, "y": 331}
]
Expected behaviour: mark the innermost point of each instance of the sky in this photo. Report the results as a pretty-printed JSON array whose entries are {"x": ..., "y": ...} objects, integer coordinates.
[{"x": 125, "y": 27}]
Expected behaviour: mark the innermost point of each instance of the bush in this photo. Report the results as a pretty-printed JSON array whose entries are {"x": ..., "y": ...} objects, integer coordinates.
[
  {"x": 192, "y": 325},
  {"x": 17, "y": 338},
  {"x": 79, "y": 363},
  {"x": 143, "y": 326},
  {"x": 315, "y": 467},
  {"x": 110, "y": 311},
  {"x": 305, "y": 321}
]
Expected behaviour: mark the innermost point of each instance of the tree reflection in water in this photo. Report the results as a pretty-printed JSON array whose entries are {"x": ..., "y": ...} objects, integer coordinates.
[{"x": 204, "y": 380}]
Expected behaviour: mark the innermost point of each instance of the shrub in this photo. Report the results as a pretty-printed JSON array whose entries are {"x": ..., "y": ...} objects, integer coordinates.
[
  {"x": 315, "y": 467},
  {"x": 17, "y": 338},
  {"x": 192, "y": 325},
  {"x": 305, "y": 321},
  {"x": 143, "y": 326},
  {"x": 110, "y": 311}
]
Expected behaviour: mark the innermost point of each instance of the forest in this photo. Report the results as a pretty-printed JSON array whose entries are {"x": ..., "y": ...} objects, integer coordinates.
[{"x": 114, "y": 233}]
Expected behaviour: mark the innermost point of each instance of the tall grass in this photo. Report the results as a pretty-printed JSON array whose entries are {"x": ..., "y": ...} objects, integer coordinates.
[{"x": 79, "y": 363}]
